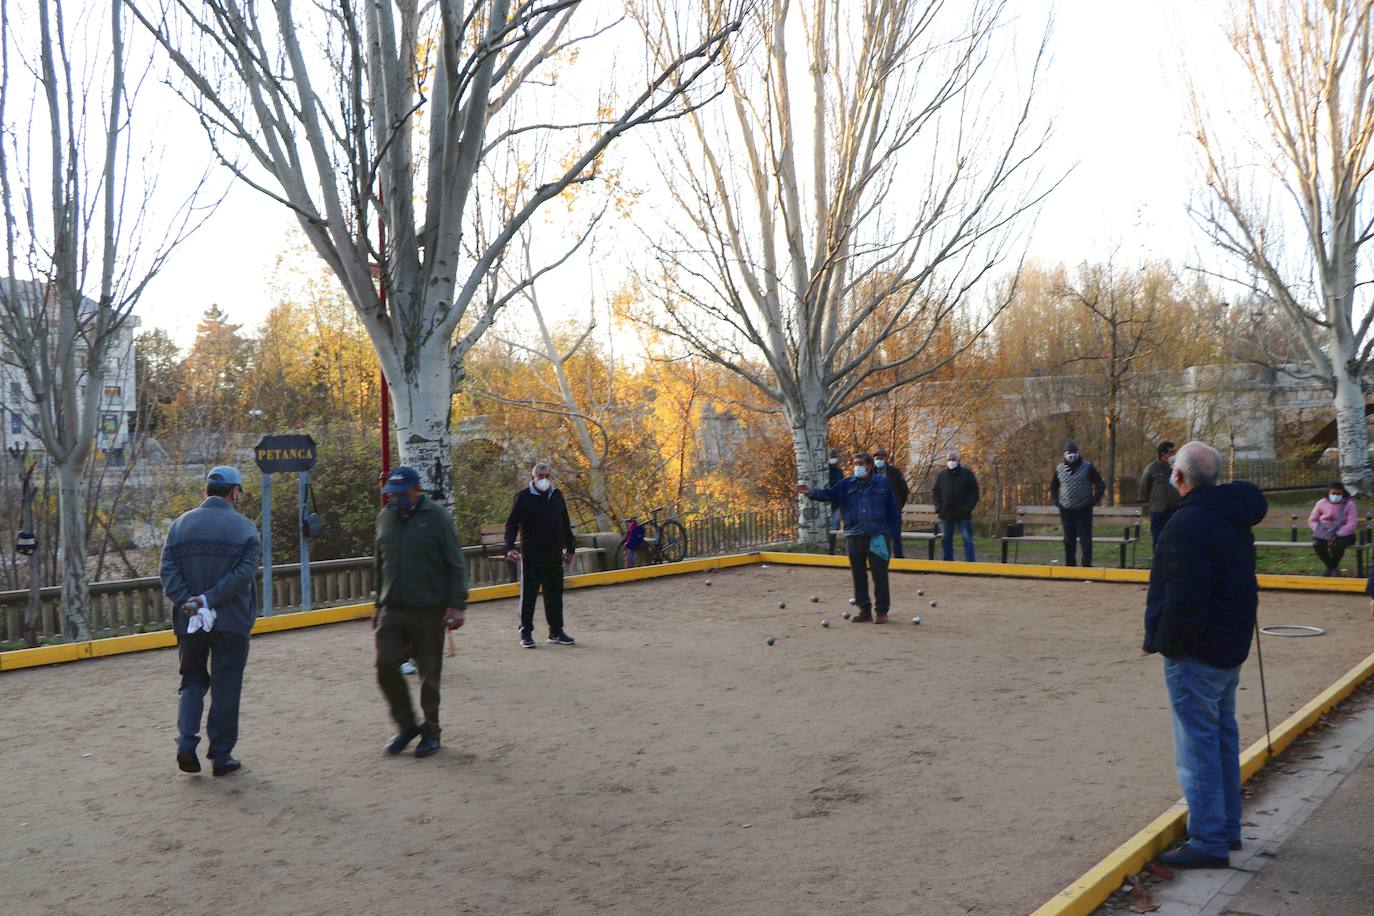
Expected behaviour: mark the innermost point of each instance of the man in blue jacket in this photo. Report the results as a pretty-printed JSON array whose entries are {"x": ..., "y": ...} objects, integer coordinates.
[
  {"x": 871, "y": 516},
  {"x": 1200, "y": 615},
  {"x": 210, "y": 560}
]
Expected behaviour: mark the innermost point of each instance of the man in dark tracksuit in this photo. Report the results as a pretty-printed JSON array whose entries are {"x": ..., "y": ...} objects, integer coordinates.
[
  {"x": 1156, "y": 492},
  {"x": 422, "y": 587},
  {"x": 210, "y": 561},
  {"x": 1075, "y": 488},
  {"x": 871, "y": 518},
  {"x": 1200, "y": 615},
  {"x": 539, "y": 517},
  {"x": 900, "y": 489}
]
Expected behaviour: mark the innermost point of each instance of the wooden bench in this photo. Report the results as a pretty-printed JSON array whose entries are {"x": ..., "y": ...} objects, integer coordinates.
[
  {"x": 1111, "y": 518},
  {"x": 919, "y": 523},
  {"x": 1294, "y": 521}
]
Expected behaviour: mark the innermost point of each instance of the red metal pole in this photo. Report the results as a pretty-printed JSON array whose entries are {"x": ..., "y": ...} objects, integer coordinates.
[{"x": 386, "y": 390}]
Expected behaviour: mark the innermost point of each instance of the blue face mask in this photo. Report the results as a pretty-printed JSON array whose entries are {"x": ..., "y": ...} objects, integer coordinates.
[
  {"x": 861, "y": 471},
  {"x": 399, "y": 502},
  {"x": 879, "y": 463}
]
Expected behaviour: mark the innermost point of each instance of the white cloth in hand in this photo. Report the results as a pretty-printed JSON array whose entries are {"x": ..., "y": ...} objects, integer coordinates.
[{"x": 203, "y": 619}]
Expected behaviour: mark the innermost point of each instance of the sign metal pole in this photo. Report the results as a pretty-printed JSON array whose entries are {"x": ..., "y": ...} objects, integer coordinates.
[
  {"x": 267, "y": 545},
  {"x": 303, "y": 487}
]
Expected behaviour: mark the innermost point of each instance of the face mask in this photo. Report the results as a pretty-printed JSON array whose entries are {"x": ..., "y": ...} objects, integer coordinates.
[
  {"x": 861, "y": 471},
  {"x": 542, "y": 484},
  {"x": 1335, "y": 497},
  {"x": 951, "y": 464},
  {"x": 834, "y": 461},
  {"x": 1070, "y": 457},
  {"x": 879, "y": 463},
  {"x": 400, "y": 502}
]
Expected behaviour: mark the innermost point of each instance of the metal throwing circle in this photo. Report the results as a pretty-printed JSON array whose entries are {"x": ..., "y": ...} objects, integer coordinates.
[{"x": 1295, "y": 630}]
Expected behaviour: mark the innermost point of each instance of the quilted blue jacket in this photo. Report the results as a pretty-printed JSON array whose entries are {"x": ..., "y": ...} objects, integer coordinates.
[{"x": 213, "y": 551}]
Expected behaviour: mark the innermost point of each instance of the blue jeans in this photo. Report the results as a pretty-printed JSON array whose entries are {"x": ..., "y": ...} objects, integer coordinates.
[
  {"x": 1206, "y": 750},
  {"x": 965, "y": 532},
  {"x": 211, "y": 661}
]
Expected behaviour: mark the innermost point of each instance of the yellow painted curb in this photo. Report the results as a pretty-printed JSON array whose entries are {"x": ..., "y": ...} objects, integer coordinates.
[
  {"x": 138, "y": 642},
  {"x": 44, "y": 655},
  {"x": 1097, "y": 884}
]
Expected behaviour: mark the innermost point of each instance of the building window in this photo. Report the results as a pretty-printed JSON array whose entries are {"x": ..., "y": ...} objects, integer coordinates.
[
  {"x": 113, "y": 392},
  {"x": 16, "y": 423},
  {"x": 16, "y": 391}
]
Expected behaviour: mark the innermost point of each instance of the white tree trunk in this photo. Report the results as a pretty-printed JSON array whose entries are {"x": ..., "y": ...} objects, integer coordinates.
[
  {"x": 422, "y": 402},
  {"x": 596, "y": 483},
  {"x": 809, "y": 446},
  {"x": 1352, "y": 436},
  {"x": 71, "y": 508}
]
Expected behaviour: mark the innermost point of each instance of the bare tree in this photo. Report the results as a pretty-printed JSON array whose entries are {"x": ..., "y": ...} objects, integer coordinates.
[
  {"x": 409, "y": 110},
  {"x": 837, "y": 204},
  {"x": 76, "y": 214},
  {"x": 1302, "y": 250}
]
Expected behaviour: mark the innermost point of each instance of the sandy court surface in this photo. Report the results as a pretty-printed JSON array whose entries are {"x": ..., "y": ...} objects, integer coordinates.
[{"x": 671, "y": 763}]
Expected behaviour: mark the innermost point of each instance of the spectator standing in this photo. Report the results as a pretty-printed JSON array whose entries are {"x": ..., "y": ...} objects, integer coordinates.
[
  {"x": 422, "y": 588},
  {"x": 900, "y": 489},
  {"x": 1200, "y": 615},
  {"x": 1157, "y": 493},
  {"x": 1075, "y": 488},
  {"x": 955, "y": 496},
  {"x": 1333, "y": 522},
  {"x": 539, "y": 517},
  {"x": 210, "y": 573},
  {"x": 870, "y": 517}
]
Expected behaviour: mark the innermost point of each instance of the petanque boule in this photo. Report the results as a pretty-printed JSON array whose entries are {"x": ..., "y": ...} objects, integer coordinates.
[
  {"x": 708, "y": 581},
  {"x": 934, "y": 603},
  {"x": 771, "y": 640},
  {"x": 852, "y": 601},
  {"x": 824, "y": 622},
  {"x": 920, "y": 591},
  {"x": 847, "y": 615},
  {"x": 815, "y": 599},
  {"x": 782, "y": 604},
  {"x": 916, "y": 619}
]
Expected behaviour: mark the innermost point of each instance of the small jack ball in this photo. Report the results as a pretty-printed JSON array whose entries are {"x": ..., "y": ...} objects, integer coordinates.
[
  {"x": 846, "y": 615},
  {"x": 825, "y": 623},
  {"x": 814, "y": 599},
  {"x": 933, "y": 602},
  {"x": 771, "y": 640},
  {"x": 916, "y": 620},
  {"x": 920, "y": 591},
  {"x": 782, "y": 604},
  {"x": 852, "y": 601}
]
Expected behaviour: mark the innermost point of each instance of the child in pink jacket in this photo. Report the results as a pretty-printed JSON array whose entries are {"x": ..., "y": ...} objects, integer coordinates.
[{"x": 1333, "y": 522}]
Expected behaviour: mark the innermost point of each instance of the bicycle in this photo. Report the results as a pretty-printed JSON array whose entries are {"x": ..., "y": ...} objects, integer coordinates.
[{"x": 663, "y": 542}]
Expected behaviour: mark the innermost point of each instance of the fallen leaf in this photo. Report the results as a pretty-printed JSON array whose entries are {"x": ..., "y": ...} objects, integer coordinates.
[
  {"x": 1160, "y": 870},
  {"x": 1141, "y": 901}
]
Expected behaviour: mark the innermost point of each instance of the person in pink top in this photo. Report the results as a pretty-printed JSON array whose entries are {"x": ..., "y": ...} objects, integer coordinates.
[{"x": 1333, "y": 522}]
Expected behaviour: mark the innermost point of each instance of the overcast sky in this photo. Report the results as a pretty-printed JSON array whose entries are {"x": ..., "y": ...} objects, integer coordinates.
[{"x": 1115, "y": 89}]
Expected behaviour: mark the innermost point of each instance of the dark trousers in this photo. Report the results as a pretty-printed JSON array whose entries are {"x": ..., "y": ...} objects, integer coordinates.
[
  {"x": 1078, "y": 529},
  {"x": 416, "y": 634},
  {"x": 544, "y": 573},
  {"x": 1331, "y": 554},
  {"x": 1156, "y": 526},
  {"x": 861, "y": 563},
  {"x": 211, "y": 661}
]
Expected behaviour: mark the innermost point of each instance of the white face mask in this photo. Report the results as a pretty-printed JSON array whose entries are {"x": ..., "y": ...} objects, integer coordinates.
[
  {"x": 861, "y": 471},
  {"x": 834, "y": 461},
  {"x": 1335, "y": 497},
  {"x": 542, "y": 484},
  {"x": 879, "y": 463},
  {"x": 951, "y": 464},
  {"x": 1070, "y": 457}
]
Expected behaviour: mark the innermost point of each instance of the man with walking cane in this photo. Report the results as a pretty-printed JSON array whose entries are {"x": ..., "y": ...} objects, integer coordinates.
[
  {"x": 539, "y": 517},
  {"x": 1200, "y": 614}
]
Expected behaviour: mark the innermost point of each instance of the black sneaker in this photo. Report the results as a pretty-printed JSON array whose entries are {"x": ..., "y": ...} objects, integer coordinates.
[
  {"x": 562, "y": 639},
  {"x": 429, "y": 744},
  {"x": 527, "y": 640}
]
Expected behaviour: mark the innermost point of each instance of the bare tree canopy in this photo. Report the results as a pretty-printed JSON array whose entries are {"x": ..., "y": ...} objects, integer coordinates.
[
  {"x": 843, "y": 203},
  {"x": 1287, "y": 190},
  {"x": 444, "y": 121},
  {"x": 80, "y": 244}
]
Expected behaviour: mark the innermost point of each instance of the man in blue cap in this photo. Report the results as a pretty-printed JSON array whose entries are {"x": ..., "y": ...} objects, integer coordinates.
[
  {"x": 422, "y": 587},
  {"x": 209, "y": 572}
]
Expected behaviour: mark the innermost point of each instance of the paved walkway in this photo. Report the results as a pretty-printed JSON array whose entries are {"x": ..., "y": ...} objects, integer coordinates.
[{"x": 1309, "y": 839}]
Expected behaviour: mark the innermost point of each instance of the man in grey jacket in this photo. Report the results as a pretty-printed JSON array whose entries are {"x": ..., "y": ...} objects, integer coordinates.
[{"x": 210, "y": 561}]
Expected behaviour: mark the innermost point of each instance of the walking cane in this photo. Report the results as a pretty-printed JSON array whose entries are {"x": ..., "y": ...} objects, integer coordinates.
[{"x": 1264, "y": 694}]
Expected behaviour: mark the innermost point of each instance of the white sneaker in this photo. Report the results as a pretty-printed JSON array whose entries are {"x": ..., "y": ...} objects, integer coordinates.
[{"x": 407, "y": 667}]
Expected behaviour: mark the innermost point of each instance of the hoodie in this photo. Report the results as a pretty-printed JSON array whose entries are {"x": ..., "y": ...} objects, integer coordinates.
[{"x": 1203, "y": 594}]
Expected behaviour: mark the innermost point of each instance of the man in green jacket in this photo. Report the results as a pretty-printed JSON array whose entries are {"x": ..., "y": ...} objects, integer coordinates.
[
  {"x": 1156, "y": 490},
  {"x": 422, "y": 587}
]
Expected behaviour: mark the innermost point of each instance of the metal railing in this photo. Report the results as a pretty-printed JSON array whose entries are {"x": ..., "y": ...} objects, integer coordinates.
[{"x": 711, "y": 535}]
